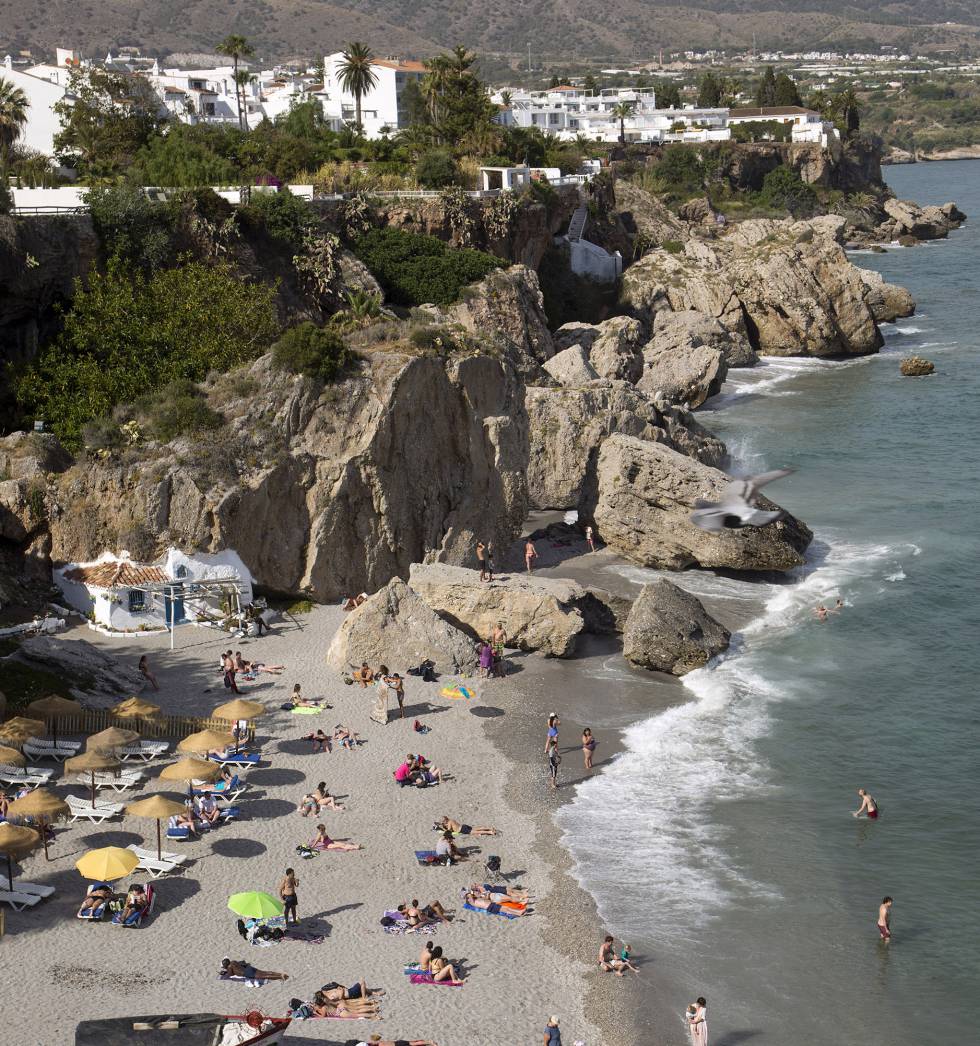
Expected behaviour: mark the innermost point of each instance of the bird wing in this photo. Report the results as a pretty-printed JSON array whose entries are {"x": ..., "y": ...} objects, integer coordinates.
[
  {"x": 756, "y": 483},
  {"x": 710, "y": 517}
]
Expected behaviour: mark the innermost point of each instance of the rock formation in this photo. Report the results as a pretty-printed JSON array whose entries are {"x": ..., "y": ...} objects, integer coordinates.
[
  {"x": 685, "y": 360},
  {"x": 571, "y": 367},
  {"x": 567, "y": 426},
  {"x": 395, "y": 627},
  {"x": 538, "y": 613},
  {"x": 916, "y": 367},
  {"x": 616, "y": 350},
  {"x": 641, "y": 494},
  {"x": 887, "y": 301},
  {"x": 101, "y": 678},
  {"x": 668, "y": 630}
]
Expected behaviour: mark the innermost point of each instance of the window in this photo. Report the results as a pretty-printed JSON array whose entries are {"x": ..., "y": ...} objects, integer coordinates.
[
  {"x": 209, "y": 108},
  {"x": 137, "y": 601},
  {"x": 181, "y": 572}
]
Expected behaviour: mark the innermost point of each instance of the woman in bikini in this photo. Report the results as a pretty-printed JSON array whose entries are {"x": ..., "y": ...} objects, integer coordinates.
[
  {"x": 441, "y": 969},
  {"x": 322, "y": 841},
  {"x": 588, "y": 747},
  {"x": 447, "y": 824}
]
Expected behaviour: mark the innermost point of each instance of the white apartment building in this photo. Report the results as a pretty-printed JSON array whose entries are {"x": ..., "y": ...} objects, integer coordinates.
[
  {"x": 808, "y": 125},
  {"x": 381, "y": 107},
  {"x": 43, "y": 95},
  {"x": 567, "y": 112}
]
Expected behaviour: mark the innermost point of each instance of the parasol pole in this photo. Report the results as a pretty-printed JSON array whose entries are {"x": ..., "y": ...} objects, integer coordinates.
[
  {"x": 10, "y": 874},
  {"x": 159, "y": 842},
  {"x": 44, "y": 836}
]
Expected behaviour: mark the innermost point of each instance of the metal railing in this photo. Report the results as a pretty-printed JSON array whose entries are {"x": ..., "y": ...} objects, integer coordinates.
[{"x": 50, "y": 210}]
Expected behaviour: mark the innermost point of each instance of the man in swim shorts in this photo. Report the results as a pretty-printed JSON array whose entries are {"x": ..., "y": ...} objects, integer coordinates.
[
  {"x": 868, "y": 805},
  {"x": 884, "y": 918}
]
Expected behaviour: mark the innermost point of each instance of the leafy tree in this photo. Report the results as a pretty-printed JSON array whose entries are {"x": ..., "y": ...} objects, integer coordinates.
[
  {"x": 128, "y": 334},
  {"x": 459, "y": 106},
  {"x": 710, "y": 91},
  {"x": 285, "y": 217},
  {"x": 317, "y": 352},
  {"x": 110, "y": 118},
  {"x": 182, "y": 157},
  {"x": 414, "y": 104},
  {"x": 436, "y": 169},
  {"x": 668, "y": 96},
  {"x": 783, "y": 187},
  {"x": 133, "y": 230},
  {"x": 356, "y": 75},
  {"x": 786, "y": 92},
  {"x": 13, "y": 118},
  {"x": 236, "y": 47},
  {"x": 765, "y": 92},
  {"x": 303, "y": 120}
]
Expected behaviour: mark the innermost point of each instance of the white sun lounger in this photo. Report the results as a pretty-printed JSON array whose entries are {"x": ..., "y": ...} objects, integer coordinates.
[
  {"x": 41, "y": 748},
  {"x": 35, "y": 889},
  {"x": 118, "y": 783},
  {"x": 156, "y": 868},
  {"x": 30, "y": 775},
  {"x": 19, "y": 901},
  {"x": 143, "y": 751},
  {"x": 83, "y": 810},
  {"x": 142, "y": 851}
]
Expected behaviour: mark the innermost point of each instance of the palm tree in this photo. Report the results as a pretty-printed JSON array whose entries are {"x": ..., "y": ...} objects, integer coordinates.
[
  {"x": 850, "y": 110},
  {"x": 438, "y": 73},
  {"x": 506, "y": 97},
  {"x": 236, "y": 47},
  {"x": 356, "y": 75},
  {"x": 13, "y": 118},
  {"x": 242, "y": 79},
  {"x": 620, "y": 111}
]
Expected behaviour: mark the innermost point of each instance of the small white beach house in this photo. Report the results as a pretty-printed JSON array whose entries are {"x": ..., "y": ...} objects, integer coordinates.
[{"x": 119, "y": 595}]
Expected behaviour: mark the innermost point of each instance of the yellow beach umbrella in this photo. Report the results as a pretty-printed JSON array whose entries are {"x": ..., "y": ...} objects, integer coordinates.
[
  {"x": 11, "y": 757},
  {"x": 40, "y": 804},
  {"x": 52, "y": 708},
  {"x": 190, "y": 769},
  {"x": 107, "y": 864},
  {"x": 15, "y": 839},
  {"x": 205, "y": 741},
  {"x": 111, "y": 738},
  {"x": 92, "y": 761},
  {"x": 20, "y": 729},
  {"x": 157, "y": 808}
]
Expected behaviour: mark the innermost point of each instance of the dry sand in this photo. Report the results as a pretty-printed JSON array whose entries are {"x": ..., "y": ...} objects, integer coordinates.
[{"x": 59, "y": 970}]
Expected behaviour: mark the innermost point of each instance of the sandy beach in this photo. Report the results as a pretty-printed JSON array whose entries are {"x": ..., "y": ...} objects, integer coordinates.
[{"x": 519, "y": 971}]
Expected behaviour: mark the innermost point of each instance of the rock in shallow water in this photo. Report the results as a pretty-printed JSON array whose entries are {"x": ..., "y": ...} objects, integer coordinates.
[
  {"x": 668, "y": 630},
  {"x": 916, "y": 367}
]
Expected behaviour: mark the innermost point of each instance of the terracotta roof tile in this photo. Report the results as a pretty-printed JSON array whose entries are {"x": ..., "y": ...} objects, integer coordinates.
[
  {"x": 401, "y": 66},
  {"x": 118, "y": 574}
]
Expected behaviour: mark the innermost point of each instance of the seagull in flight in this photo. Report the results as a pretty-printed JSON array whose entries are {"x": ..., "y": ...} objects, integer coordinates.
[{"x": 737, "y": 507}]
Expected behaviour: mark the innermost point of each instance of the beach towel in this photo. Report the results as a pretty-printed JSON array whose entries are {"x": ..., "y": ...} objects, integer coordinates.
[
  {"x": 395, "y": 923},
  {"x": 483, "y": 911},
  {"x": 427, "y": 978},
  {"x": 430, "y": 857},
  {"x": 457, "y": 692},
  {"x": 306, "y": 938},
  {"x": 305, "y": 710},
  {"x": 245, "y": 980}
]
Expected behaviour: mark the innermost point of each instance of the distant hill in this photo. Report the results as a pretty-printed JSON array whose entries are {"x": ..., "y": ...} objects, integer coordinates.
[{"x": 625, "y": 29}]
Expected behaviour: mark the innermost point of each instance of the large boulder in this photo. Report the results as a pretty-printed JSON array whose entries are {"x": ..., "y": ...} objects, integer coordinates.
[
  {"x": 605, "y": 613},
  {"x": 396, "y": 628},
  {"x": 98, "y": 679},
  {"x": 668, "y": 630},
  {"x": 685, "y": 360},
  {"x": 640, "y": 497},
  {"x": 538, "y": 613},
  {"x": 924, "y": 223},
  {"x": 887, "y": 301},
  {"x": 568, "y": 425},
  {"x": 616, "y": 352},
  {"x": 571, "y": 367}
]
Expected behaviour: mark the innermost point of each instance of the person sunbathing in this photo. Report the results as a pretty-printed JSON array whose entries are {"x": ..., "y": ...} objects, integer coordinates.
[
  {"x": 443, "y": 970},
  {"x": 351, "y": 602},
  {"x": 322, "y": 841},
  {"x": 484, "y": 904},
  {"x": 363, "y": 675},
  {"x": 416, "y": 916},
  {"x": 254, "y": 667},
  {"x": 298, "y": 701},
  {"x": 494, "y": 892},
  {"x": 324, "y": 1007},
  {"x": 321, "y": 741},
  {"x": 333, "y": 991},
  {"x": 319, "y": 798},
  {"x": 135, "y": 901},
  {"x": 425, "y": 959},
  {"x": 189, "y": 819},
  {"x": 234, "y": 968},
  {"x": 99, "y": 895},
  {"x": 345, "y": 737},
  {"x": 448, "y": 824},
  {"x": 376, "y": 1040}
]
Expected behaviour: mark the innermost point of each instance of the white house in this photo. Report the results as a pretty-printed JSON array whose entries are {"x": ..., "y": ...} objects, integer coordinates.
[
  {"x": 121, "y": 596},
  {"x": 42, "y": 96},
  {"x": 205, "y": 95},
  {"x": 381, "y": 108}
]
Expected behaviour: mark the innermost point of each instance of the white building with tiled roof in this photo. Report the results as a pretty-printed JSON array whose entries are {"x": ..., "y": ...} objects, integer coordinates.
[{"x": 381, "y": 107}]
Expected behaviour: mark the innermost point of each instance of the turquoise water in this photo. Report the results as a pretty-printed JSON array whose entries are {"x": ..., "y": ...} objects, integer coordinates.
[{"x": 736, "y": 866}]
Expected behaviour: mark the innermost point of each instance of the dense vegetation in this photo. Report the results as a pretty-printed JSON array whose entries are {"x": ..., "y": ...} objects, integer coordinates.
[
  {"x": 317, "y": 352},
  {"x": 925, "y": 115},
  {"x": 415, "y": 269}
]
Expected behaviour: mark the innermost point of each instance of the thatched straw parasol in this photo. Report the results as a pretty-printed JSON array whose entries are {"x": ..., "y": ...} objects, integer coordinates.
[
  {"x": 42, "y": 805},
  {"x": 205, "y": 741},
  {"x": 11, "y": 757},
  {"x": 190, "y": 770},
  {"x": 52, "y": 708},
  {"x": 111, "y": 738},
  {"x": 20, "y": 729},
  {"x": 157, "y": 808},
  {"x": 15, "y": 839},
  {"x": 92, "y": 761}
]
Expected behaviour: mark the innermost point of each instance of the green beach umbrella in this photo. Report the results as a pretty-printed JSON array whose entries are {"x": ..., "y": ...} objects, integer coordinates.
[{"x": 254, "y": 904}]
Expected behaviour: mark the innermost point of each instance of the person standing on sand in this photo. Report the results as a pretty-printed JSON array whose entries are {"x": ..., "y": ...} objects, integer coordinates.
[
  {"x": 144, "y": 670},
  {"x": 481, "y": 558},
  {"x": 379, "y": 712},
  {"x": 287, "y": 894},
  {"x": 497, "y": 641},
  {"x": 552, "y": 1033},
  {"x": 885, "y": 919},
  {"x": 698, "y": 1023},
  {"x": 552, "y": 738},
  {"x": 590, "y": 538},
  {"x": 554, "y": 761},
  {"x": 588, "y": 747},
  {"x": 530, "y": 554},
  {"x": 868, "y": 806}
]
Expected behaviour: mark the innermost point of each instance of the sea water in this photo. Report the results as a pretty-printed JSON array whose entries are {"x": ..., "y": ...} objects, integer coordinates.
[{"x": 734, "y": 863}]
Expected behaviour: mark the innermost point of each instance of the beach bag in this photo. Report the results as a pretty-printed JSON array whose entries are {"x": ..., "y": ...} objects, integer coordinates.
[
  {"x": 493, "y": 863},
  {"x": 419, "y": 728},
  {"x": 306, "y": 852},
  {"x": 348, "y": 681},
  {"x": 386, "y": 920}
]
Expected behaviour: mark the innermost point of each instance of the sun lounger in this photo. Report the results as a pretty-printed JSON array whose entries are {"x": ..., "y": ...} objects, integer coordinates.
[
  {"x": 41, "y": 748},
  {"x": 428, "y": 858},
  {"x": 125, "y": 781},
  {"x": 143, "y": 751},
  {"x": 156, "y": 868},
  {"x": 237, "y": 758},
  {"x": 136, "y": 918},
  {"x": 483, "y": 911},
  {"x": 31, "y": 776},
  {"x": 179, "y": 834},
  {"x": 227, "y": 791},
  {"x": 141, "y": 851},
  {"x": 36, "y": 889},
  {"x": 17, "y": 900},
  {"x": 83, "y": 810}
]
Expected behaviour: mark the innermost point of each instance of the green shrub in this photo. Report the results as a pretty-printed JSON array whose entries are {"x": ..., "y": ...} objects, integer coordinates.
[
  {"x": 6, "y": 199},
  {"x": 672, "y": 246},
  {"x": 131, "y": 227},
  {"x": 284, "y": 216},
  {"x": 175, "y": 410},
  {"x": 414, "y": 269},
  {"x": 317, "y": 352},
  {"x": 783, "y": 187},
  {"x": 436, "y": 169}
]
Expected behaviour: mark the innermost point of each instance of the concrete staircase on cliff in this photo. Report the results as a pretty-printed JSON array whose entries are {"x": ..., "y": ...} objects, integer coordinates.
[{"x": 577, "y": 225}]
